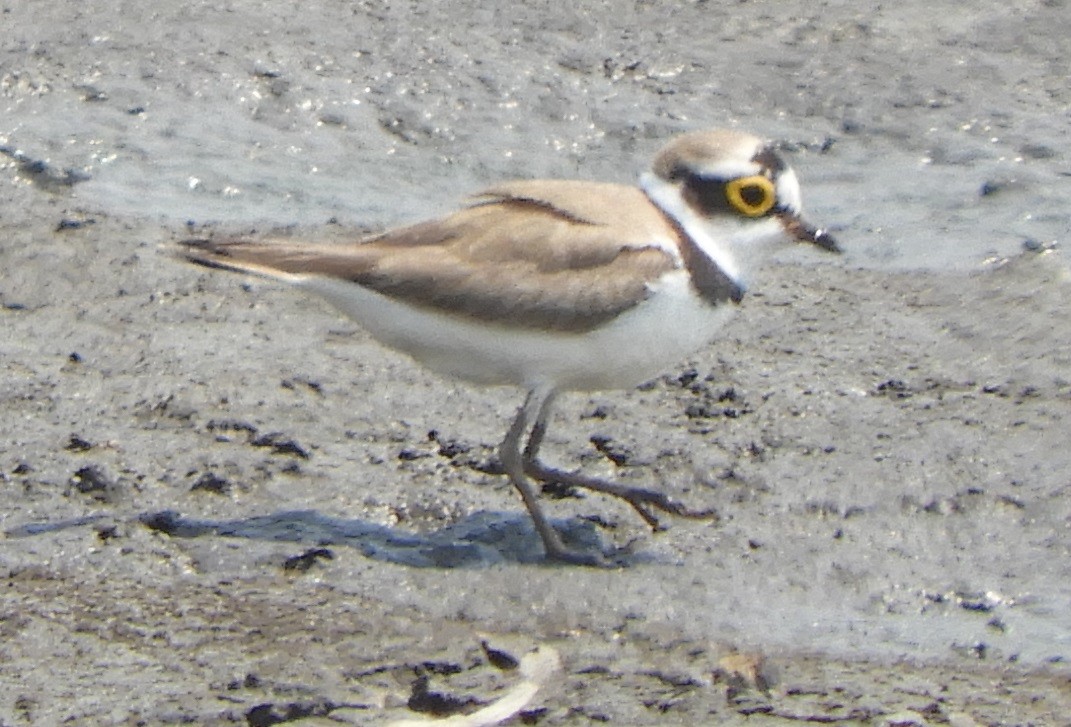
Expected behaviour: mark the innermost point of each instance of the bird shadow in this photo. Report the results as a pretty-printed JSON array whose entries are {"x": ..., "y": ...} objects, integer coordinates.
[{"x": 481, "y": 539}]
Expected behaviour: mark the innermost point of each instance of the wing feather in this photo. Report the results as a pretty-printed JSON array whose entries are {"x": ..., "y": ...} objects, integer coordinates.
[{"x": 525, "y": 254}]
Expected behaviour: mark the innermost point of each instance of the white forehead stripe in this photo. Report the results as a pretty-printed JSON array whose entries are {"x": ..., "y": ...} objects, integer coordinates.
[
  {"x": 788, "y": 190},
  {"x": 728, "y": 169}
]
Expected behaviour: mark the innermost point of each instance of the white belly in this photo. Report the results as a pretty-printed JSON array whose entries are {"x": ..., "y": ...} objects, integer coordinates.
[{"x": 638, "y": 345}]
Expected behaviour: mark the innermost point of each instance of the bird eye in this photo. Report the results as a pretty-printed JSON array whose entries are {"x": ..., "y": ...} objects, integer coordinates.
[{"x": 751, "y": 196}]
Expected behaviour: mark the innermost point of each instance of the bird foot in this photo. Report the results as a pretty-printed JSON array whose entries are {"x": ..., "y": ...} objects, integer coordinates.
[{"x": 642, "y": 500}]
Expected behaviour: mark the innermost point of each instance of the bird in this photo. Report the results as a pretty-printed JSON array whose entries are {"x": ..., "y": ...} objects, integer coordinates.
[{"x": 554, "y": 285}]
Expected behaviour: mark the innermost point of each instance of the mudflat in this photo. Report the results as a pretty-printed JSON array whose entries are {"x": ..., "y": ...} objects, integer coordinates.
[{"x": 221, "y": 502}]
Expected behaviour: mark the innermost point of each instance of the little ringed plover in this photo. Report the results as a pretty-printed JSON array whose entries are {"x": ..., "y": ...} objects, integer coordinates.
[{"x": 554, "y": 285}]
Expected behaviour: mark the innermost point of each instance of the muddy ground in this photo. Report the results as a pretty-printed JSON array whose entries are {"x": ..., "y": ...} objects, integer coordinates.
[{"x": 220, "y": 502}]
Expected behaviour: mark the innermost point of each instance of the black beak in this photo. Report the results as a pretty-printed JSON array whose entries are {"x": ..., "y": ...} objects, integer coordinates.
[{"x": 802, "y": 231}]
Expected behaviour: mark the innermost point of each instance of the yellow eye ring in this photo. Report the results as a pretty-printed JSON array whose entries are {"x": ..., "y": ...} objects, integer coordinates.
[{"x": 751, "y": 196}]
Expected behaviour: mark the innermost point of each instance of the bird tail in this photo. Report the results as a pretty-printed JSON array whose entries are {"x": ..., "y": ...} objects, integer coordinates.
[{"x": 277, "y": 259}]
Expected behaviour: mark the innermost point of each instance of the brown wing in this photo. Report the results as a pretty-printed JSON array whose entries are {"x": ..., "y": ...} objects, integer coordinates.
[{"x": 528, "y": 254}]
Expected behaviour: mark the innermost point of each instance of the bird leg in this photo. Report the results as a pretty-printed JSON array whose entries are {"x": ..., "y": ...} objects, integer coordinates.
[
  {"x": 641, "y": 499},
  {"x": 514, "y": 462}
]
